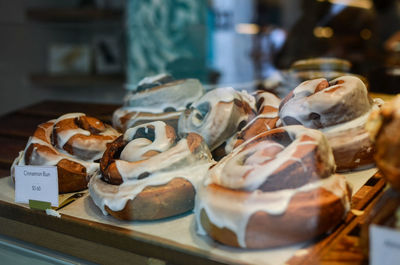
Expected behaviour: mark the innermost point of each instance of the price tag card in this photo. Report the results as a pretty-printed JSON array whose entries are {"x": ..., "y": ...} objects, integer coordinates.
[
  {"x": 36, "y": 183},
  {"x": 384, "y": 245}
]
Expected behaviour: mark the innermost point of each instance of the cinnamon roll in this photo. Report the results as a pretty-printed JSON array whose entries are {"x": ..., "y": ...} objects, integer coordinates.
[
  {"x": 278, "y": 188},
  {"x": 218, "y": 115},
  {"x": 266, "y": 119},
  {"x": 160, "y": 98},
  {"x": 73, "y": 142},
  {"x": 148, "y": 173},
  {"x": 340, "y": 109}
]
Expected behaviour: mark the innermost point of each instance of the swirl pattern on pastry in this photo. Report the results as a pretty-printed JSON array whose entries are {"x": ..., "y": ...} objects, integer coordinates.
[
  {"x": 218, "y": 115},
  {"x": 73, "y": 143},
  {"x": 340, "y": 109},
  {"x": 165, "y": 101},
  {"x": 267, "y": 118},
  {"x": 278, "y": 188},
  {"x": 148, "y": 174}
]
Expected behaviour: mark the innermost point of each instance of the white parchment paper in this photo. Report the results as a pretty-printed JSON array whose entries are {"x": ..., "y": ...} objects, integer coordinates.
[{"x": 181, "y": 229}]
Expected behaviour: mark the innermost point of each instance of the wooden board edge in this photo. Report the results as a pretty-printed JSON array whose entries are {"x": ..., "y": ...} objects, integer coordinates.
[{"x": 124, "y": 239}]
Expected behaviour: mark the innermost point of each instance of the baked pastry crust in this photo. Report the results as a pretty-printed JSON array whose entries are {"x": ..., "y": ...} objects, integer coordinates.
[
  {"x": 309, "y": 214},
  {"x": 266, "y": 119},
  {"x": 278, "y": 188},
  {"x": 218, "y": 115},
  {"x": 165, "y": 100},
  {"x": 157, "y": 202},
  {"x": 73, "y": 143},
  {"x": 149, "y": 174},
  {"x": 340, "y": 109}
]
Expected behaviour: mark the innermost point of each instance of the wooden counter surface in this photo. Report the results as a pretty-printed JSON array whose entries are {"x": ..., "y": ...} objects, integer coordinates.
[{"x": 106, "y": 244}]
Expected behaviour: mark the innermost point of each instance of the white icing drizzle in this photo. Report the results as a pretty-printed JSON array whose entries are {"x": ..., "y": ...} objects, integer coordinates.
[
  {"x": 351, "y": 98},
  {"x": 130, "y": 152},
  {"x": 269, "y": 115},
  {"x": 230, "y": 170},
  {"x": 232, "y": 211},
  {"x": 115, "y": 197},
  {"x": 358, "y": 122},
  {"x": 64, "y": 136},
  {"x": 69, "y": 116},
  {"x": 348, "y": 138},
  {"x": 223, "y": 209},
  {"x": 230, "y": 143},
  {"x": 135, "y": 149},
  {"x": 96, "y": 146},
  {"x": 176, "y": 94},
  {"x": 221, "y": 120},
  {"x": 160, "y": 162},
  {"x": 39, "y": 157},
  {"x": 121, "y": 112},
  {"x": 269, "y": 99},
  {"x": 249, "y": 99},
  {"x": 174, "y": 161},
  {"x": 139, "y": 117},
  {"x": 152, "y": 79},
  {"x": 150, "y": 104},
  {"x": 49, "y": 159},
  {"x": 159, "y": 130}
]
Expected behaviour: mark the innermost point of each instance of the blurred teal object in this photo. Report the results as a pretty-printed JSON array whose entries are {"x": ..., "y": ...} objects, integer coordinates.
[{"x": 167, "y": 36}]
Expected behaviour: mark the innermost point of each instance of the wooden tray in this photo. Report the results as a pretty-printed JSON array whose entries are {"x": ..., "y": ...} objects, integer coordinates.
[
  {"x": 102, "y": 241},
  {"x": 82, "y": 221}
]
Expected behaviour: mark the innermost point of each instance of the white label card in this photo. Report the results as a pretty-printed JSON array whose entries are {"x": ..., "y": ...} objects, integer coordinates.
[
  {"x": 384, "y": 245},
  {"x": 36, "y": 183}
]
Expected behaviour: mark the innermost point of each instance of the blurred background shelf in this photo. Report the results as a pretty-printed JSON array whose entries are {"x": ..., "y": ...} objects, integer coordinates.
[
  {"x": 77, "y": 80},
  {"x": 73, "y": 14}
]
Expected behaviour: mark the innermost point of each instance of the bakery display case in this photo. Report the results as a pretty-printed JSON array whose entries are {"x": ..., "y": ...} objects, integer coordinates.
[
  {"x": 249, "y": 132},
  {"x": 89, "y": 235}
]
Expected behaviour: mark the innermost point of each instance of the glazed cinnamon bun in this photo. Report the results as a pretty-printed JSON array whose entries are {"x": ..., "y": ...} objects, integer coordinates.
[
  {"x": 340, "y": 109},
  {"x": 266, "y": 119},
  {"x": 160, "y": 98},
  {"x": 74, "y": 143},
  {"x": 148, "y": 173},
  {"x": 218, "y": 115},
  {"x": 278, "y": 188}
]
